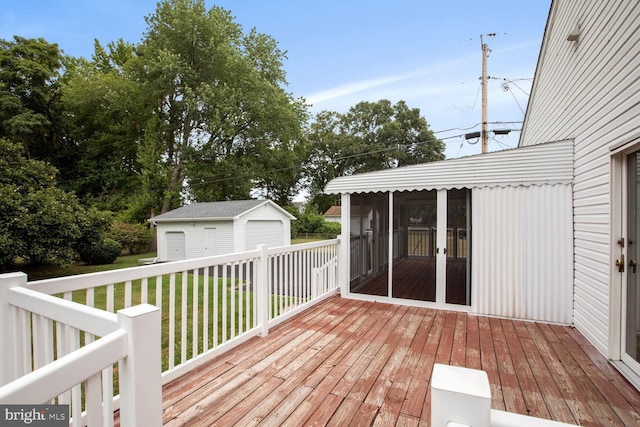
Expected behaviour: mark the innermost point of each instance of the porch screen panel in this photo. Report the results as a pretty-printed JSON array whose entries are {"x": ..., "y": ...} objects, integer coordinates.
[
  {"x": 415, "y": 230},
  {"x": 458, "y": 271},
  {"x": 369, "y": 244}
]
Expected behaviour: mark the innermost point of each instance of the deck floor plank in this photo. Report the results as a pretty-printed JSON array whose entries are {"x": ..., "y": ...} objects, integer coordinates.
[{"x": 347, "y": 362}]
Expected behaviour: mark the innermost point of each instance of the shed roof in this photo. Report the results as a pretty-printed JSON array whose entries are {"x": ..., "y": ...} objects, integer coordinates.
[
  {"x": 215, "y": 211},
  {"x": 550, "y": 163}
]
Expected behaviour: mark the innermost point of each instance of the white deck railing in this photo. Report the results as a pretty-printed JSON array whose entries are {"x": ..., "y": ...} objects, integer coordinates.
[
  {"x": 207, "y": 306},
  {"x": 53, "y": 348}
]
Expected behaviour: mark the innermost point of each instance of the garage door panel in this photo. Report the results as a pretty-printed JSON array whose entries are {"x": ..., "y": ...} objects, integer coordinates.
[{"x": 269, "y": 233}]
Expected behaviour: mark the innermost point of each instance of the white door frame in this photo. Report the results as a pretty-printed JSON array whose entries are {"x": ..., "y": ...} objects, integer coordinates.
[{"x": 618, "y": 280}]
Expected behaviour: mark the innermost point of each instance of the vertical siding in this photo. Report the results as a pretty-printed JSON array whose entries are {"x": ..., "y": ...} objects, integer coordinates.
[
  {"x": 497, "y": 280},
  {"x": 548, "y": 253},
  {"x": 522, "y": 252},
  {"x": 194, "y": 236},
  {"x": 589, "y": 92}
]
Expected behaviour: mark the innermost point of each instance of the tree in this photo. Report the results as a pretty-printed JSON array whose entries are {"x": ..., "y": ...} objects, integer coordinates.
[
  {"x": 370, "y": 136},
  {"x": 216, "y": 99},
  {"x": 30, "y": 110},
  {"x": 105, "y": 118},
  {"x": 38, "y": 221}
]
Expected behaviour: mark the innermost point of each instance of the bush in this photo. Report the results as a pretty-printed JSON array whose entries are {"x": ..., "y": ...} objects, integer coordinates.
[
  {"x": 101, "y": 252},
  {"x": 135, "y": 238}
]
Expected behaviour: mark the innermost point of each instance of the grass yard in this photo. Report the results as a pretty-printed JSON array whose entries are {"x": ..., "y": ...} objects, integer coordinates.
[{"x": 50, "y": 271}]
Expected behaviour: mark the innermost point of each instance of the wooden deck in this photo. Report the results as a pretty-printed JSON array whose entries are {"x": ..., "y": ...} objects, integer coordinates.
[{"x": 356, "y": 363}]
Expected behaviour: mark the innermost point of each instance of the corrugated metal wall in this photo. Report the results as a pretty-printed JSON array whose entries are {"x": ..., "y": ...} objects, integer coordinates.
[
  {"x": 589, "y": 91},
  {"x": 522, "y": 252}
]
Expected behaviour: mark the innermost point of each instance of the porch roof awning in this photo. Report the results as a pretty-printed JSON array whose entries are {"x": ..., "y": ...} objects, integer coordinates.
[{"x": 543, "y": 164}]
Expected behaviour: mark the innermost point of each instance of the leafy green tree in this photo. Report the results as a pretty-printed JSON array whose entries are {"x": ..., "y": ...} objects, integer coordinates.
[
  {"x": 370, "y": 136},
  {"x": 105, "y": 117},
  {"x": 30, "y": 109},
  {"x": 216, "y": 98},
  {"x": 38, "y": 221}
]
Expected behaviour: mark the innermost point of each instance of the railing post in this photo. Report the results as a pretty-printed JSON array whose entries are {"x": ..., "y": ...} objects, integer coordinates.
[
  {"x": 140, "y": 371},
  {"x": 315, "y": 272},
  {"x": 460, "y": 396},
  {"x": 8, "y": 328},
  {"x": 262, "y": 291}
]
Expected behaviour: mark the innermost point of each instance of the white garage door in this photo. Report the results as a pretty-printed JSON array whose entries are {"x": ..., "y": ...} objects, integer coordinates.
[
  {"x": 263, "y": 232},
  {"x": 175, "y": 246}
]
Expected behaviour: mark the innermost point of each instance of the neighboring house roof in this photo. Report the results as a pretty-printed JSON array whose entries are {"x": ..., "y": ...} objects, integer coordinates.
[
  {"x": 550, "y": 163},
  {"x": 333, "y": 211},
  {"x": 217, "y": 211}
]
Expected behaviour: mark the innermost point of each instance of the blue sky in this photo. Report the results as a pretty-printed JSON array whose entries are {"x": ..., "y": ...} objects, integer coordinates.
[{"x": 342, "y": 52}]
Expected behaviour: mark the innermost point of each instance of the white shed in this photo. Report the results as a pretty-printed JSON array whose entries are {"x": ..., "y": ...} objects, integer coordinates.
[{"x": 215, "y": 228}]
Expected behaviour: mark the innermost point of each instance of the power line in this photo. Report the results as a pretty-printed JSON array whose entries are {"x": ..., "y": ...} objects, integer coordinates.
[{"x": 352, "y": 156}]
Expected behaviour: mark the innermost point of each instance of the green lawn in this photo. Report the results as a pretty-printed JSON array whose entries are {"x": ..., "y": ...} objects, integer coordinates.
[{"x": 49, "y": 271}]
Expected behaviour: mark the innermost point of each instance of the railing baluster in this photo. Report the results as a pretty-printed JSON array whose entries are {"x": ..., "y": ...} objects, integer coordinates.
[
  {"x": 127, "y": 294},
  {"x": 159, "y": 292},
  {"x": 107, "y": 390},
  {"x": 110, "y": 298},
  {"x": 195, "y": 326},
  {"x": 172, "y": 319},
  {"x": 233, "y": 300},
  {"x": 205, "y": 309},
  {"x": 144, "y": 290},
  {"x": 183, "y": 319},
  {"x": 216, "y": 307},
  {"x": 225, "y": 286},
  {"x": 240, "y": 296}
]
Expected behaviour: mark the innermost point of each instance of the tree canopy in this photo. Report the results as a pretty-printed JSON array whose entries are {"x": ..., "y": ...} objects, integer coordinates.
[
  {"x": 370, "y": 136},
  {"x": 198, "y": 110}
]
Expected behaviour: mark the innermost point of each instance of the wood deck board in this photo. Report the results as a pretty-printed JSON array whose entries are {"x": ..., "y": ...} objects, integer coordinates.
[{"x": 347, "y": 362}]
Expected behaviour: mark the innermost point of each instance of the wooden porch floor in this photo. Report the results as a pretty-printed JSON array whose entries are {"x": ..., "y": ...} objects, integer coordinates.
[{"x": 356, "y": 363}]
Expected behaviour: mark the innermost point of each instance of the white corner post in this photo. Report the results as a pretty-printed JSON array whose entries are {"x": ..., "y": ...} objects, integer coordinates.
[
  {"x": 8, "y": 328},
  {"x": 262, "y": 291},
  {"x": 460, "y": 397},
  {"x": 141, "y": 370}
]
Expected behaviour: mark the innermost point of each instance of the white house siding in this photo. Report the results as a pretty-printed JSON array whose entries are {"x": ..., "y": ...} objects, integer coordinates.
[
  {"x": 522, "y": 252},
  {"x": 223, "y": 237},
  {"x": 194, "y": 236},
  {"x": 588, "y": 91}
]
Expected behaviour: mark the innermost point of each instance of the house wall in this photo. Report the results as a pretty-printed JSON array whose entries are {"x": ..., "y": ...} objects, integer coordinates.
[
  {"x": 522, "y": 252},
  {"x": 194, "y": 237},
  {"x": 265, "y": 212},
  {"x": 588, "y": 91}
]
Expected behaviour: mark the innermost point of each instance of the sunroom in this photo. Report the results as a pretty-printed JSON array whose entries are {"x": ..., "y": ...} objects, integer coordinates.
[{"x": 489, "y": 234}]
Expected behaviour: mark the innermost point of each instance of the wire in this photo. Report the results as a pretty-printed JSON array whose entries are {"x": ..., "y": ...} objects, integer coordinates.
[
  {"x": 214, "y": 180},
  {"x": 475, "y": 101}
]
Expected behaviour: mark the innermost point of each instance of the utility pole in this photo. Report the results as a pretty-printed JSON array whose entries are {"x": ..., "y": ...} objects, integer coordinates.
[{"x": 484, "y": 134}]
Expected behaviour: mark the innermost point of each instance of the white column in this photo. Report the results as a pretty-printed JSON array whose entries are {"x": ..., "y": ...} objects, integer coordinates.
[
  {"x": 141, "y": 370},
  {"x": 8, "y": 328}
]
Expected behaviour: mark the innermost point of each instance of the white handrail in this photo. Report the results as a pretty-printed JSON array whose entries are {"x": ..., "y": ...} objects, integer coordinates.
[
  {"x": 46, "y": 383},
  {"x": 79, "y": 316}
]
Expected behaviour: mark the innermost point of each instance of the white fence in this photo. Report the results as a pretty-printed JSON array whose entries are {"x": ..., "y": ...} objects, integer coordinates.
[{"x": 207, "y": 306}]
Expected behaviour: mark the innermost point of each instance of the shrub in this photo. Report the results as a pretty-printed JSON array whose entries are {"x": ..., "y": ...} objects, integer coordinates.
[
  {"x": 135, "y": 238},
  {"x": 101, "y": 252}
]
